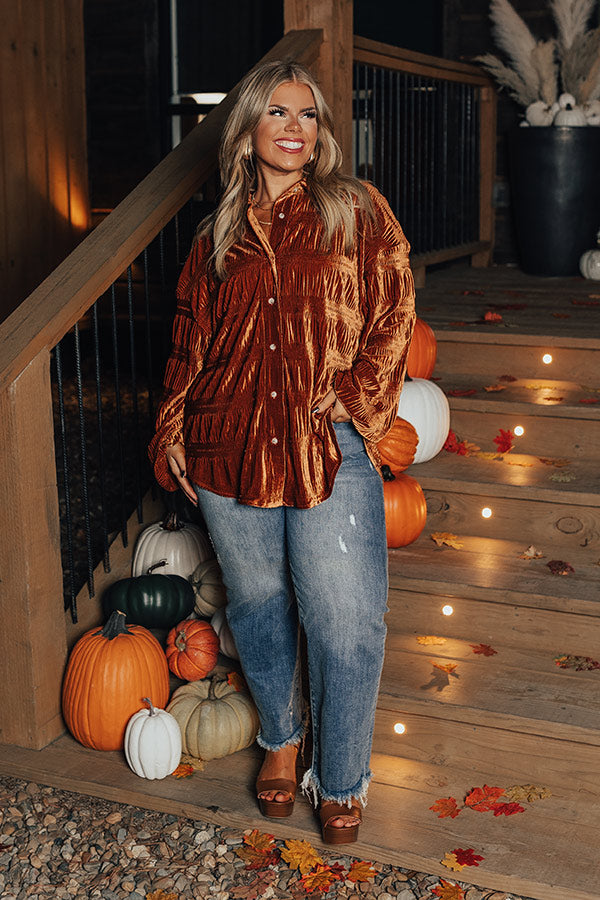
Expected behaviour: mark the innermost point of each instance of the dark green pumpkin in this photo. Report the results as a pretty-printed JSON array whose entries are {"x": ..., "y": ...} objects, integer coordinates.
[{"x": 155, "y": 601}]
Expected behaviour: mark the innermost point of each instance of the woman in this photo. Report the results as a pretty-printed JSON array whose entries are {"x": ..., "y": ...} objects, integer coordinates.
[{"x": 295, "y": 311}]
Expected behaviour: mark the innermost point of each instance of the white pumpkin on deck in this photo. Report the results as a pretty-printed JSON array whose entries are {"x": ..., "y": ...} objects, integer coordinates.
[
  {"x": 226, "y": 641},
  {"x": 426, "y": 407},
  {"x": 182, "y": 545},
  {"x": 152, "y": 743},
  {"x": 589, "y": 264}
]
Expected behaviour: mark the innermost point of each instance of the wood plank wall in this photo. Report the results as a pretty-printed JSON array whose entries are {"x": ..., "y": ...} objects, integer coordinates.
[{"x": 44, "y": 204}]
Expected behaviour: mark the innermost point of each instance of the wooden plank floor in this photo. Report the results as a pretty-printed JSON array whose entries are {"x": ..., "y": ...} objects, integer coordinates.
[{"x": 548, "y": 852}]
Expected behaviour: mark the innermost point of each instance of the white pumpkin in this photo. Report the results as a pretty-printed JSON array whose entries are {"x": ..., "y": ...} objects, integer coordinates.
[
  {"x": 181, "y": 544},
  {"x": 592, "y": 112},
  {"x": 426, "y": 407},
  {"x": 567, "y": 101},
  {"x": 540, "y": 113},
  {"x": 226, "y": 641},
  {"x": 569, "y": 113},
  {"x": 589, "y": 264},
  {"x": 152, "y": 743},
  {"x": 207, "y": 581},
  {"x": 215, "y": 719}
]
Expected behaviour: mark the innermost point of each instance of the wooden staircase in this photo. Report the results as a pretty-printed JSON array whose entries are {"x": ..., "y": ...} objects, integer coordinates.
[{"x": 512, "y": 717}]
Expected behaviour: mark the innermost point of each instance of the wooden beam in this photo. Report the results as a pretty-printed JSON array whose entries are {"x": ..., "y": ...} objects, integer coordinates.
[
  {"x": 487, "y": 172},
  {"x": 32, "y": 632},
  {"x": 419, "y": 63},
  {"x": 334, "y": 67}
]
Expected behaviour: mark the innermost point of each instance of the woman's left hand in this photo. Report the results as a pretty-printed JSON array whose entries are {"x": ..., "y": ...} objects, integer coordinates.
[{"x": 331, "y": 401}]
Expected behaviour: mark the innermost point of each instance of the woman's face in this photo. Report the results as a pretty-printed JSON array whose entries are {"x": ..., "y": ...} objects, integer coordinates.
[{"x": 286, "y": 135}]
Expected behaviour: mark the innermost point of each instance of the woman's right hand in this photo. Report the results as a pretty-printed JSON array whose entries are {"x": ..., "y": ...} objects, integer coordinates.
[{"x": 176, "y": 461}]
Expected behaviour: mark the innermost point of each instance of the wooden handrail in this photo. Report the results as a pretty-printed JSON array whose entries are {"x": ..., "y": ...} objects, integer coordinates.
[
  {"x": 64, "y": 297},
  {"x": 377, "y": 53}
]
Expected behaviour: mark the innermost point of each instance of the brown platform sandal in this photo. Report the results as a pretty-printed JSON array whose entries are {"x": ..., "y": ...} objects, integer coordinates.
[
  {"x": 344, "y": 834},
  {"x": 276, "y": 809}
]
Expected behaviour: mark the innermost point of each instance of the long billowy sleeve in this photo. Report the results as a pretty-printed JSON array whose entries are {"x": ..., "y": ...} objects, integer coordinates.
[
  {"x": 190, "y": 340},
  {"x": 370, "y": 390}
]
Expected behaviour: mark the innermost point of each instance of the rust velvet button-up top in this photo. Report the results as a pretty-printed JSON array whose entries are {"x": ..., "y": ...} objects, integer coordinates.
[{"x": 254, "y": 355}]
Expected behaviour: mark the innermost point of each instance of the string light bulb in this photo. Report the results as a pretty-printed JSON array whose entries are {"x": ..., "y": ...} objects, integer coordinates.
[
  {"x": 547, "y": 359},
  {"x": 447, "y": 610},
  {"x": 519, "y": 431},
  {"x": 486, "y": 512},
  {"x": 399, "y": 728}
]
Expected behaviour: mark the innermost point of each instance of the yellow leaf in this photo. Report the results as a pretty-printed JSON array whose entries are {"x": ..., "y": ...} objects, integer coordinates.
[
  {"x": 470, "y": 449},
  {"x": 518, "y": 461},
  {"x": 361, "y": 871},
  {"x": 318, "y": 879},
  {"x": 445, "y": 537},
  {"x": 559, "y": 463},
  {"x": 531, "y": 553},
  {"x": 526, "y": 793},
  {"x": 160, "y": 895},
  {"x": 489, "y": 454},
  {"x": 259, "y": 841},
  {"x": 451, "y": 862},
  {"x": 445, "y": 667},
  {"x": 430, "y": 639},
  {"x": 494, "y": 387},
  {"x": 300, "y": 855}
]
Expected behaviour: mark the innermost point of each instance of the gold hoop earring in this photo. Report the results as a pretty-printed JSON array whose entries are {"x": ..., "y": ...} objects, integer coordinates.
[{"x": 312, "y": 156}]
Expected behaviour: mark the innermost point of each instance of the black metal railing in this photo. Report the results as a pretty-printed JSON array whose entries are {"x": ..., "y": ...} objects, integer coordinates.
[{"x": 417, "y": 139}]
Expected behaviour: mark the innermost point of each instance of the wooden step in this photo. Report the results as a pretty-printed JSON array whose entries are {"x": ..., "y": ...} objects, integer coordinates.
[
  {"x": 490, "y": 569},
  {"x": 548, "y": 852}
]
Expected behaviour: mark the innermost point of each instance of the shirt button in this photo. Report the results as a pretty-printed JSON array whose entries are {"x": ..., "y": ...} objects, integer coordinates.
[
  {"x": 273, "y": 394},
  {"x": 274, "y": 440},
  {"x": 282, "y": 215},
  {"x": 271, "y": 300},
  {"x": 272, "y": 346}
]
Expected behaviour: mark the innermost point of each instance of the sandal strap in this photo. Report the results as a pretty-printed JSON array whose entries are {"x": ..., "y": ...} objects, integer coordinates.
[
  {"x": 330, "y": 810},
  {"x": 285, "y": 785}
]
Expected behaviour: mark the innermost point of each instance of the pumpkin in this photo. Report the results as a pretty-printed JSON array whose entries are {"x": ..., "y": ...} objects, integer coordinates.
[
  {"x": 425, "y": 406},
  {"x": 397, "y": 449},
  {"x": 181, "y": 544},
  {"x": 422, "y": 352},
  {"x": 569, "y": 113},
  {"x": 208, "y": 587},
  {"x": 541, "y": 113},
  {"x": 405, "y": 510},
  {"x": 109, "y": 672},
  {"x": 215, "y": 718},
  {"x": 153, "y": 600},
  {"x": 192, "y": 649},
  {"x": 152, "y": 742},
  {"x": 223, "y": 631},
  {"x": 592, "y": 112},
  {"x": 589, "y": 264}
]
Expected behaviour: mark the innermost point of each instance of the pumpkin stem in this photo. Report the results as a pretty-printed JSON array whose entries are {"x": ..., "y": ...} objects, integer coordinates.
[
  {"x": 172, "y": 522},
  {"x": 157, "y": 565},
  {"x": 149, "y": 702},
  {"x": 181, "y": 640},
  {"x": 387, "y": 474},
  {"x": 214, "y": 681},
  {"x": 115, "y": 626}
]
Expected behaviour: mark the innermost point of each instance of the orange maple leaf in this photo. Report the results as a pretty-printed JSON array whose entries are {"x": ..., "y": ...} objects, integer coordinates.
[
  {"x": 360, "y": 870},
  {"x": 183, "y": 771},
  {"x": 490, "y": 388},
  {"x": 237, "y": 681},
  {"x": 445, "y": 537},
  {"x": 318, "y": 879},
  {"x": 160, "y": 895},
  {"x": 445, "y": 667},
  {"x": 260, "y": 841},
  {"x": 451, "y": 862},
  {"x": 483, "y": 649},
  {"x": 483, "y": 799},
  {"x": 492, "y": 316},
  {"x": 445, "y": 890},
  {"x": 301, "y": 855},
  {"x": 446, "y": 807}
]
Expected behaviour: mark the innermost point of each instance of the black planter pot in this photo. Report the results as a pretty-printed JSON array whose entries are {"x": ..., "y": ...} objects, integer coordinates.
[{"x": 555, "y": 196}]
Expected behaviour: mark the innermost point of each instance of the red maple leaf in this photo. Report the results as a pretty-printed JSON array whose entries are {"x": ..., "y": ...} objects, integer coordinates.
[
  {"x": 458, "y": 392},
  {"x": 483, "y": 799},
  {"x": 483, "y": 649},
  {"x": 585, "y": 302},
  {"x": 452, "y": 443},
  {"x": 507, "y": 809},
  {"x": 504, "y": 440},
  {"x": 589, "y": 400},
  {"x": 446, "y": 807},
  {"x": 467, "y": 857},
  {"x": 338, "y": 870},
  {"x": 560, "y": 567}
]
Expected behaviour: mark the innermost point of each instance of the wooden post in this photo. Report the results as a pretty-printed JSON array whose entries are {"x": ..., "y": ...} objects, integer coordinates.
[
  {"x": 334, "y": 67},
  {"x": 32, "y": 625},
  {"x": 487, "y": 162}
]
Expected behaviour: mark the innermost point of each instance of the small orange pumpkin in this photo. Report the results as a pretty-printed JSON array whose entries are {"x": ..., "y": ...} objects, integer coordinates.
[
  {"x": 192, "y": 649},
  {"x": 423, "y": 351},
  {"x": 109, "y": 672},
  {"x": 405, "y": 510},
  {"x": 397, "y": 449}
]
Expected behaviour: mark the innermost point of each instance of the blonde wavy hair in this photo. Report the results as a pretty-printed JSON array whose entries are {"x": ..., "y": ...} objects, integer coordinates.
[{"x": 334, "y": 194}]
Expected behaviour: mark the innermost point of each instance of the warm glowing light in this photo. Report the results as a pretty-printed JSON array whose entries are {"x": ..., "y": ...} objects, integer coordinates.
[
  {"x": 519, "y": 430},
  {"x": 447, "y": 610},
  {"x": 547, "y": 358},
  {"x": 486, "y": 512},
  {"x": 399, "y": 728}
]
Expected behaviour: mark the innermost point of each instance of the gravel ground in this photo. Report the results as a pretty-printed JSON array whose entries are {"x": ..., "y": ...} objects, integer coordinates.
[{"x": 57, "y": 844}]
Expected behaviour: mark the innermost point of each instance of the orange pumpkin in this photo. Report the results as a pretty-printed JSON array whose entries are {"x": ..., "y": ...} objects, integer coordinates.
[
  {"x": 109, "y": 672},
  {"x": 397, "y": 449},
  {"x": 423, "y": 351},
  {"x": 192, "y": 649},
  {"x": 405, "y": 510}
]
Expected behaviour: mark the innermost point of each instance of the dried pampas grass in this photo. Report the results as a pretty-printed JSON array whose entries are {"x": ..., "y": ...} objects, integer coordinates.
[
  {"x": 508, "y": 78},
  {"x": 546, "y": 67},
  {"x": 571, "y": 17},
  {"x": 580, "y": 69}
]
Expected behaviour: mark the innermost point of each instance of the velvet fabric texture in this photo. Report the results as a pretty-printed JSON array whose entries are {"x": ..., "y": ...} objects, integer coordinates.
[{"x": 255, "y": 354}]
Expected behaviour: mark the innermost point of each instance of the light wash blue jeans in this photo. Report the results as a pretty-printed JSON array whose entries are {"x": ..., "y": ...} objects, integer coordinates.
[{"x": 327, "y": 568}]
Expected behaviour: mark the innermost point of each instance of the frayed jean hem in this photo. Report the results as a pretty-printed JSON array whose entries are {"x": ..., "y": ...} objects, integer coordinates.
[
  {"x": 311, "y": 786},
  {"x": 296, "y": 738}
]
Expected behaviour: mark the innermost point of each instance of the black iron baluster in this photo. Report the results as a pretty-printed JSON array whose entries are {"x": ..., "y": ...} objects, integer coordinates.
[
  {"x": 137, "y": 460},
  {"x": 118, "y": 414},
  {"x": 149, "y": 369},
  {"x": 84, "y": 471},
  {"x": 70, "y": 599},
  {"x": 100, "y": 446}
]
